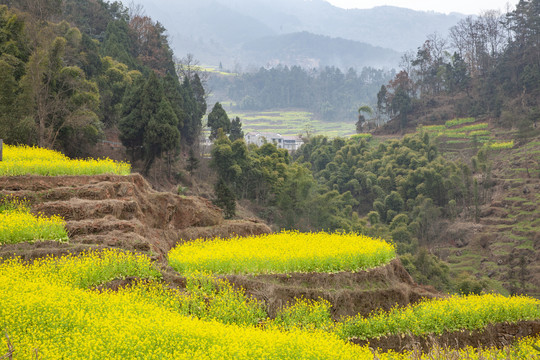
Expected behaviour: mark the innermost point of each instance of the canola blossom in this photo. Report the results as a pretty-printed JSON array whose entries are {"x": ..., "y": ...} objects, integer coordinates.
[
  {"x": 26, "y": 160},
  {"x": 525, "y": 348},
  {"x": 501, "y": 145},
  {"x": 285, "y": 252},
  {"x": 435, "y": 316},
  {"x": 18, "y": 224},
  {"x": 90, "y": 268},
  {"x": 50, "y": 316}
]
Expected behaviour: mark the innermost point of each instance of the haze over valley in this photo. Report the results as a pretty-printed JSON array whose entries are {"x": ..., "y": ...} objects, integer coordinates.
[{"x": 254, "y": 33}]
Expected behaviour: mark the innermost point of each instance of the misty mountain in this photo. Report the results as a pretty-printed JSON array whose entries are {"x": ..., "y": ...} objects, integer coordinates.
[
  {"x": 227, "y": 31},
  {"x": 313, "y": 51}
]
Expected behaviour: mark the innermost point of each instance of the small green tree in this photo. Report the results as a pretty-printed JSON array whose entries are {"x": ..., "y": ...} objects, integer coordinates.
[
  {"x": 236, "y": 130},
  {"x": 218, "y": 119},
  {"x": 365, "y": 109},
  {"x": 192, "y": 162},
  {"x": 225, "y": 199}
]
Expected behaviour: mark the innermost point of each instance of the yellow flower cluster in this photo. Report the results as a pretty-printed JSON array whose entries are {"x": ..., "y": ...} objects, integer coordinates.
[
  {"x": 18, "y": 224},
  {"x": 501, "y": 145},
  {"x": 285, "y": 252},
  {"x": 25, "y": 160},
  {"x": 91, "y": 268},
  {"x": 525, "y": 348},
  {"x": 435, "y": 316},
  {"x": 459, "y": 121},
  {"x": 59, "y": 320}
]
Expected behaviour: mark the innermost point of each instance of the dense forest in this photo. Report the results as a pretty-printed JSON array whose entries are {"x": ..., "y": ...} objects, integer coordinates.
[
  {"x": 71, "y": 69},
  {"x": 328, "y": 92}
]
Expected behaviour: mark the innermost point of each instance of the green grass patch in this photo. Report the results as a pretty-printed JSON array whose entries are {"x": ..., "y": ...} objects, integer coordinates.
[
  {"x": 516, "y": 198},
  {"x": 475, "y": 127},
  {"x": 365, "y": 136},
  {"x": 480, "y": 133},
  {"x": 500, "y": 145},
  {"x": 458, "y": 122}
]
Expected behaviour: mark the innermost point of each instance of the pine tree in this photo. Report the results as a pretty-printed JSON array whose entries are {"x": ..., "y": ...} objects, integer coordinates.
[
  {"x": 192, "y": 162},
  {"x": 149, "y": 121},
  {"x": 192, "y": 119},
  {"x": 236, "y": 129},
  {"x": 218, "y": 119},
  {"x": 117, "y": 43}
]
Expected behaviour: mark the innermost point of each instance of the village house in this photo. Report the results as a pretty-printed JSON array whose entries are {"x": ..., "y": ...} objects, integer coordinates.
[{"x": 290, "y": 143}]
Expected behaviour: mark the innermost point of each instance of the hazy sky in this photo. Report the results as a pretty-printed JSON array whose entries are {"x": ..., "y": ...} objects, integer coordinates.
[{"x": 468, "y": 7}]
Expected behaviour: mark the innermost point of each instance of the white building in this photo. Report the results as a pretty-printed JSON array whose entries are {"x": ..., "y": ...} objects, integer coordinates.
[{"x": 289, "y": 143}]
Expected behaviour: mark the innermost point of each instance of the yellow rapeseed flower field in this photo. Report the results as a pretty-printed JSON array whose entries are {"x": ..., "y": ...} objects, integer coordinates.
[
  {"x": 18, "y": 224},
  {"x": 26, "y": 160},
  {"x": 524, "y": 349},
  {"x": 51, "y": 317},
  {"x": 285, "y": 252},
  {"x": 50, "y": 311},
  {"x": 435, "y": 316}
]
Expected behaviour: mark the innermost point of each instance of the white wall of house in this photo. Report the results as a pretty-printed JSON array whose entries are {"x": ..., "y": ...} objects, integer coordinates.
[{"x": 290, "y": 143}]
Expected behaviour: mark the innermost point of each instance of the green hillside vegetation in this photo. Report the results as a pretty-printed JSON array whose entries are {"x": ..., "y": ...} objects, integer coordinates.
[
  {"x": 66, "y": 82},
  {"x": 490, "y": 72}
]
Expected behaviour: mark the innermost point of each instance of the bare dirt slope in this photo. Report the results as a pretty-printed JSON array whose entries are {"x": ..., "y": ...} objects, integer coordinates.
[{"x": 120, "y": 212}]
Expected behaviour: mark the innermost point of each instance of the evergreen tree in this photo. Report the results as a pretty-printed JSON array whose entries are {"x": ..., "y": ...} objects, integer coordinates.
[
  {"x": 161, "y": 133},
  {"x": 192, "y": 162},
  {"x": 218, "y": 119},
  {"x": 132, "y": 125},
  {"x": 236, "y": 129},
  {"x": 173, "y": 92},
  {"x": 225, "y": 199},
  {"x": 149, "y": 121},
  {"x": 117, "y": 43},
  {"x": 199, "y": 94},
  {"x": 192, "y": 120}
]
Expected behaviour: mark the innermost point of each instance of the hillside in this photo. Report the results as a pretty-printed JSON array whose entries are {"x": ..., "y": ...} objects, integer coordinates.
[
  {"x": 111, "y": 211},
  {"x": 504, "y": 244},
  {"x": 390, "y": 247}
]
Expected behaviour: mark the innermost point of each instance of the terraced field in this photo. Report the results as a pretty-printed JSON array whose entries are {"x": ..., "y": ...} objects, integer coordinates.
[
  {"x": 291, "y": 123},
  {"x": 73, "y": 306},
  {"x": 502, "y": 249},
  {"x": 281, "y": 296},
  {"x": 465, "y": 133}
]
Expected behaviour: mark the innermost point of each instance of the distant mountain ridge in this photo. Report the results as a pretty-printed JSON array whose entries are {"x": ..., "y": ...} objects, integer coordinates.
[
  {"x": 224, "y": 31},
  {"x": 312, "y": 51}
]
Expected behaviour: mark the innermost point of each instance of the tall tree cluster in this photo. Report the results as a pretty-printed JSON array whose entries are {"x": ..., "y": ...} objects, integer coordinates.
[{"x": 64, "y": 82}]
